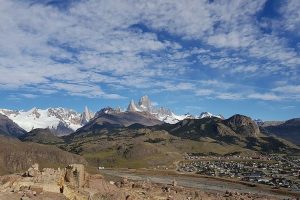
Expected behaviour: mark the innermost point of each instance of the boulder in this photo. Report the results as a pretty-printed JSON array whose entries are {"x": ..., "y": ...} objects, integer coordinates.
[{"x": 33, "y": 171}]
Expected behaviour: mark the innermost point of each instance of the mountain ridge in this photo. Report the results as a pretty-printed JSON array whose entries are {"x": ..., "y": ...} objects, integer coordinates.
[
  {"x": 62, "y": 121},
  {"x": 162, "y": 113},
  {"x": 289, "y": 130},
  {"x": 9, "y": 128}
]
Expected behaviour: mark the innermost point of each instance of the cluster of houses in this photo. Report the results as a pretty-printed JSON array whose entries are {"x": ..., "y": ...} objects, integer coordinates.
[{"x": 272, "y": 170}]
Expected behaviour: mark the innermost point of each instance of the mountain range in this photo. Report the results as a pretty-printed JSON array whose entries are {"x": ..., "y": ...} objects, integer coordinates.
[
  {"x": 163, "y": 114},
  {"x": 113, "y": 140},
  {"x": 145, "y": 135},
  {"x": 64, "y": 121},
  {"x": 61, "y": 121}
]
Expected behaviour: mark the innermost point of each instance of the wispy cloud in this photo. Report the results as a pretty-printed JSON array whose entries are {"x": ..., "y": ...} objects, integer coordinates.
[
  {"x": 99, "y": 49},
  {"x": 265, "y": 96},
  {"x": 292, "y": 89}
]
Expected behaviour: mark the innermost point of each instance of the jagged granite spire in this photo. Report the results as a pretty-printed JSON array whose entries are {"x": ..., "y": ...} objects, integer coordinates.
[
  {"x": 145, "y": 104},
  {"x": 132, "y": 107},
  {"x": 86, "y": 116}
]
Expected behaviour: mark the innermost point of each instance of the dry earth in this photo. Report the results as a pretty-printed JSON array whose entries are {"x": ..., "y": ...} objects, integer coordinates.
[{"x": 74, "y": 183}]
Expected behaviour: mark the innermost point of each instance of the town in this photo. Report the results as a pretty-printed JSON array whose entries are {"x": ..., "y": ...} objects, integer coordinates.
[{"x": 276, "y": 171}]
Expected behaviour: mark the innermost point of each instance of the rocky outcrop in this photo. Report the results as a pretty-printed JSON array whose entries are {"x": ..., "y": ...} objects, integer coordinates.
[
  {"x": 33, "y": 171},
  {"x": 243, "y": 126},
  {"x": 72, "y": 181}
]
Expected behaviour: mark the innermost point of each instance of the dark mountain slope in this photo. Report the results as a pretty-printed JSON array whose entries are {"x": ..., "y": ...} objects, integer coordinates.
[
  {"x": 9, "y": 128},
  {"x": 289, "y": 130},
  {"x": 238, "y": 129},
  {"x": 113, "y": 120},
  {"x": 235, "y": 126},
  {"x": 42, "y": 136}
]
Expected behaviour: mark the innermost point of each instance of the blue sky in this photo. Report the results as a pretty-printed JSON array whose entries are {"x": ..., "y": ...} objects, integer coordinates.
[{"x": 225, "y": 57}]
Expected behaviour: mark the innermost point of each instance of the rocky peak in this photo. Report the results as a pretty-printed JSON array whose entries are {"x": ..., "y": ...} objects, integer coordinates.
[
  {"x": 209, "y": 115},
  {"x": 108, "y": 110},
  {"x": 205, "y": 115},
  {"x": 61, "y": 113},
  {"x": 35, "y": 112},
  {"x": 220, "y": 116},
  {"x": 145, "y": 103},
  {"x": 86, "y": 116},
  {"x": 132, "y": 107},
  {"x": 161, "y": 113},
  {"x": 243, "y": 125}
]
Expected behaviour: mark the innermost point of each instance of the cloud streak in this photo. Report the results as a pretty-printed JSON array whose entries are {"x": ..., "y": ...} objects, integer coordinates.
[{"x": 99, "y": 49}]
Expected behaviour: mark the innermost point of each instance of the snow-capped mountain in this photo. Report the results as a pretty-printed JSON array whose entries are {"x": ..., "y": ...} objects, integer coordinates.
[
  {"x": 209, "y": 115},
  {"x": 108, "y": 110},
  {"x": 164, "y": 114},
  {"x": 65, "y": 121},
  {"x": 62, "y": 121},
  {"x": 132, "y": 107}
]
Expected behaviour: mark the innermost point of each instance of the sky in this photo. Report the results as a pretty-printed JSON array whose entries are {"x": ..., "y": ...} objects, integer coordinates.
[{"x": 221, "y": 56}]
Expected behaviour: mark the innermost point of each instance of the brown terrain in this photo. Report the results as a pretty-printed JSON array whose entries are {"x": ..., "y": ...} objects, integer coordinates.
[
  {"x": 17, "y": 156},
  {"x": 74, "y": 183}
]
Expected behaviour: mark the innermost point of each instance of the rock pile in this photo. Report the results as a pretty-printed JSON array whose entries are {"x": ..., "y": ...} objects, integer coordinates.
[{"x": 73, "y": 182}]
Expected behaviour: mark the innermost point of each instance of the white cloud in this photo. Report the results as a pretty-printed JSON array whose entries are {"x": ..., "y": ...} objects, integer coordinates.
[
  {"x": 90, "y": 91},
  {"x": 204, "y": 92},
  {"x": 231, "y": 39},
  {"x": 288, "y": 107},
  {"x": 30, "y": 96},
  {"x": 264, "y": 96},
  {"x": 288, "y": 89},
  {"x": 290, "y": 12},
  {"x": 245, "y": 69},
  {"x": 94, "y": 44},
  {"x": 33, "y": 35},
  {"x": 229, "y": 96}
]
